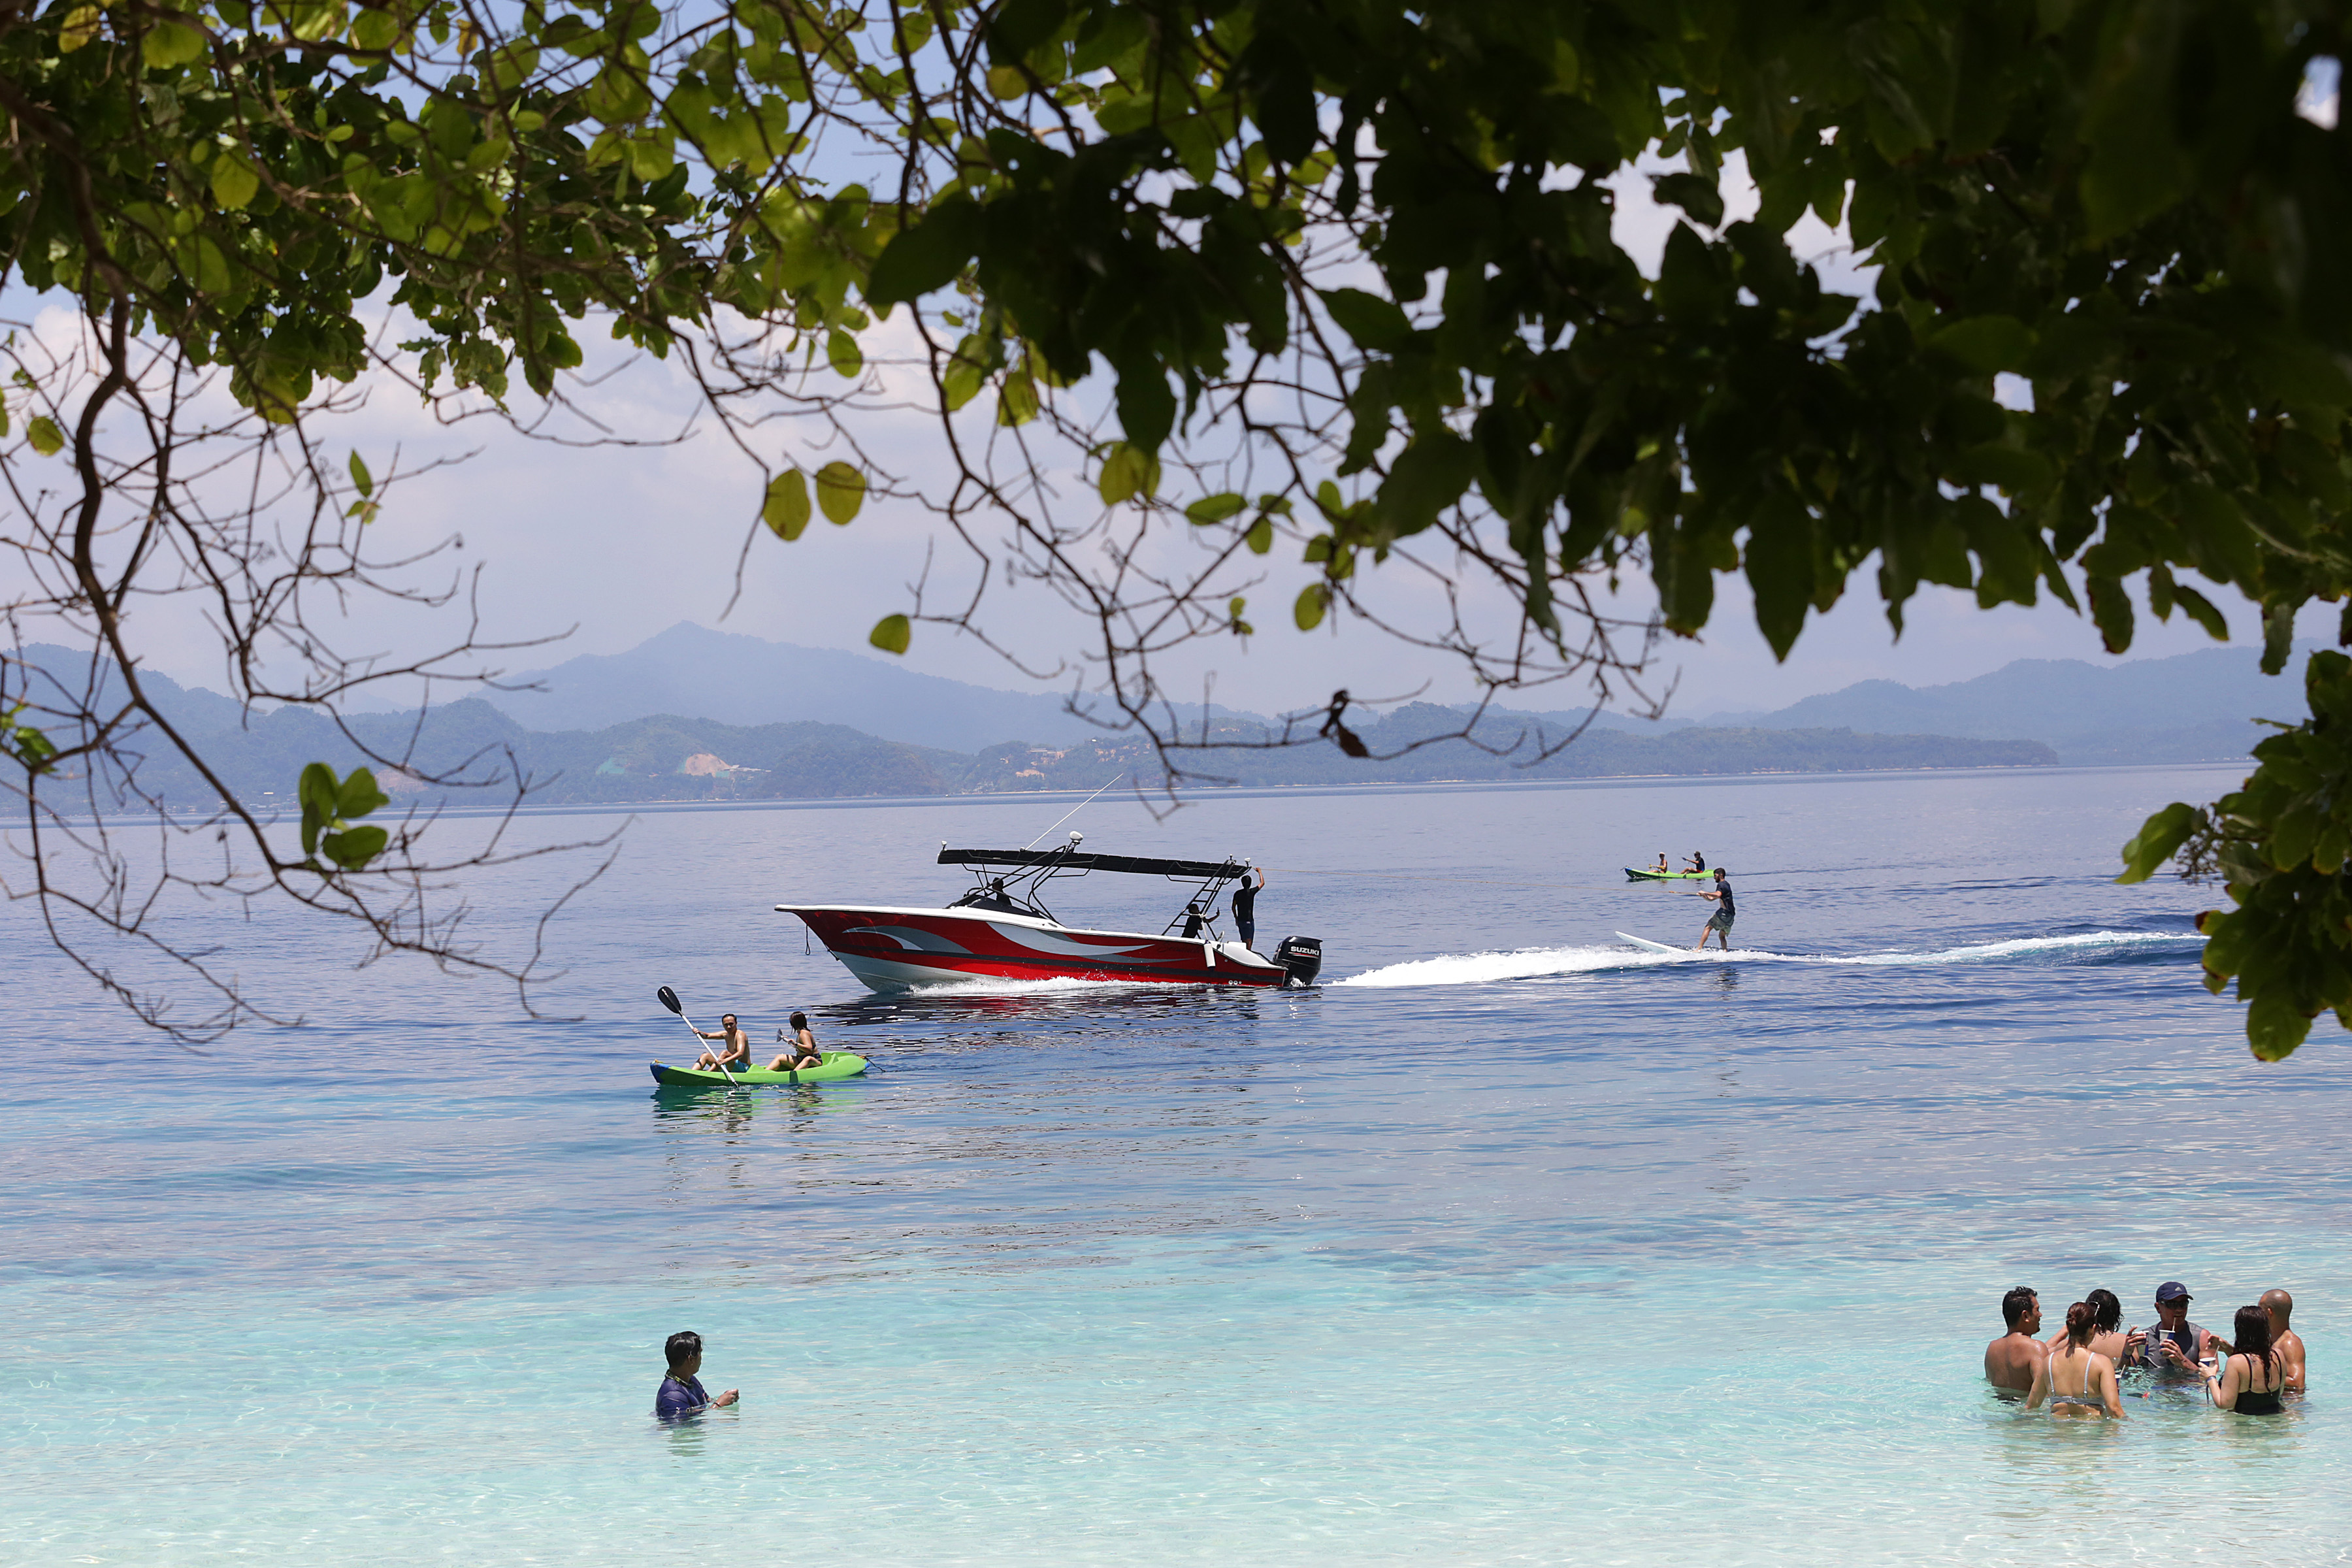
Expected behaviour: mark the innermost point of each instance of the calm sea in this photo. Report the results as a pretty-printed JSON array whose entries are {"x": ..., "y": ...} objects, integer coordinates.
[{"x": 1509, "y": 1245}]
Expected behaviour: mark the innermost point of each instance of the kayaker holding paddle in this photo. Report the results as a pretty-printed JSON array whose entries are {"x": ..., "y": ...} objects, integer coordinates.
[
  {"x": 736, "y": 1058},
  {"x": 1719, "y": 924},
  {"x": 802, "y": 1052}
]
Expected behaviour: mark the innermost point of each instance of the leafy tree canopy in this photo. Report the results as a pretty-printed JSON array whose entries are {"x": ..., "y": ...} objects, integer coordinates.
[{"x": 1344, "y": 274}]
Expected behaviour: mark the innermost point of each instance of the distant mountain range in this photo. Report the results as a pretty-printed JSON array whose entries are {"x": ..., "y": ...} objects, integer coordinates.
[
  {"x": 774, "y": 734},
  {"x": 739, "y": 679},
  {"x": 2193, "y": 707}
]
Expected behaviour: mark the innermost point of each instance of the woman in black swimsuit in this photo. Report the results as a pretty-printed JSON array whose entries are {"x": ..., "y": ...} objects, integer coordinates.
[{"x": 2250, "y": 1382}]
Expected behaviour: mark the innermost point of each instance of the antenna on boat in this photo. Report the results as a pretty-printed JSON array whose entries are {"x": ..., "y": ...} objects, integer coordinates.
[{"x": 1072, "y": 812}]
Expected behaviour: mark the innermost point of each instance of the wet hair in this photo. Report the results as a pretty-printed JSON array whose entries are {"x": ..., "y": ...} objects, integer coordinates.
[
  {"x": 2107, "y": 1311},
  {"x": 800, "y": 1020},
  {"x": 682, "y": 1347},
  {"x": 2082, "y": 1322},
  {"x": 2253, "y": 1335},
  {"x": 2015, "y": 1305}
]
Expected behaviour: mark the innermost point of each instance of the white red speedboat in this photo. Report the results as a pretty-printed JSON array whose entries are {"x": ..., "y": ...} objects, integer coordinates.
[{"x": 1002, "y": 930}]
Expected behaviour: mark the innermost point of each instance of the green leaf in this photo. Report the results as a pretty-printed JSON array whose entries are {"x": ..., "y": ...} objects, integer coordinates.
[
  {"x": 360, "y": 475},
  {"x": 2202, "y": 610},
  {"x": 891, "y": 634},
  {"x": 2274, "y": 1025},
  {"x": 842, "y": 353},
  {"x": 1987, "y": 344},
  {"x": 319, "y": 792},
  {"x": 786, "y": 509},
  {"x": 1377, "y": 324},
  {"x": 1007, "y": 82},
  {"x": 234, "y": 183},
  {"x": 171, "y": 44},
  {"x": 1017, "y": 403},
  {"x": 1127, "y": 472},
  {"x": 1313, "y": 600},
  {"x": 840, "y": 491},
  {"x": 926, "y": 257},
  {"x": 354, "y": 848},
  {"x": 359, "y": 795},
  {"x": 1260, "y": 538},
  {"x": 42, "y": 432},
  {"x": 1215, "y": 508},
  {"x": 80, "y": 29},
  {"x": 2157, "y": 838},
  {"x": 1694, "y": 193}
]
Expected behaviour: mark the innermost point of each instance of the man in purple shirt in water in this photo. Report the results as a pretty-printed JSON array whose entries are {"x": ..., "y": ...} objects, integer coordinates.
[{"x": 682, "y": 1394}]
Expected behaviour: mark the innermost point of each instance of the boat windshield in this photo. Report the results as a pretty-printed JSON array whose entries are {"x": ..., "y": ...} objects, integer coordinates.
[{"x": 1011, "y": 881}]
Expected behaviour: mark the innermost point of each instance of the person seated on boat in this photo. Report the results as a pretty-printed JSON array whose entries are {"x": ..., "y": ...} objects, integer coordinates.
[
  {"x": 682, "y": 1394},
  {"x": 1194, "y": 919},
  {"x": 1664, "y": 868},
  {"x": 1698, "y": 862},
  {"x": 736, "y": 1058},
  {"x": 802, "y": 1053},
  {"x": 2076, "y": 1379}
]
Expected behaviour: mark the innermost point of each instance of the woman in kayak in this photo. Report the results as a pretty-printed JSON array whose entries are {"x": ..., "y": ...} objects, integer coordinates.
[
  {"x": 802, "y": 1052},
  {"x": 1664, "y": 868},
  {"x": 736, "y": 1058}
]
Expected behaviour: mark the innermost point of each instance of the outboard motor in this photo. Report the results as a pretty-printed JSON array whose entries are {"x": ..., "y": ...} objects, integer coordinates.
[{"x": 1301, "y": 958}]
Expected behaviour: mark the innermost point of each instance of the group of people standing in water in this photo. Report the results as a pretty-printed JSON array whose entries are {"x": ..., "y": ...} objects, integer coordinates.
[{"x": 2077, "y": 1370}]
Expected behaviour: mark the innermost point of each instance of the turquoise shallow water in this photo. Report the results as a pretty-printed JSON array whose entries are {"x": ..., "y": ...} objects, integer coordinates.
[{"x": 1509, "y": 1245}]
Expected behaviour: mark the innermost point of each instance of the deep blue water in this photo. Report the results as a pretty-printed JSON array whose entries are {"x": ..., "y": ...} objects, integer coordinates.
[{"x": 1507, "y": 1245}]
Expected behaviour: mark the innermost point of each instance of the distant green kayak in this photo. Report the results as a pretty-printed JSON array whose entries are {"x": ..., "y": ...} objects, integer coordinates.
[
  {"x": 1633, "y": 875},
  {"x": 837, "y": 1065}
]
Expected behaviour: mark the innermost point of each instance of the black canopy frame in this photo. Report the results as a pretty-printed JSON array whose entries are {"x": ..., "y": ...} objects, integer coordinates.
[{"x": 1020, "y": 892}]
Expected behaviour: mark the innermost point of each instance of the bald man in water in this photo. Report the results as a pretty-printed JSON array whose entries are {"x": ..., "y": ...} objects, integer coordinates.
[{"x": 2285, "y": 1340}]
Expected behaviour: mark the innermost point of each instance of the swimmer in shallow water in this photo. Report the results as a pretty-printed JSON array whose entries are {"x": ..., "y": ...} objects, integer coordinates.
[
  {"x": 2013, "y": 1361},
  {"x": 2076, "y": 1380}
]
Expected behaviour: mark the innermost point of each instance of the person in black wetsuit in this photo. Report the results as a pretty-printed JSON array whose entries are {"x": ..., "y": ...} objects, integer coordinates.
[
  {"x": 682, "y": 1394},
  {"x": 1246, "y": 908},
  {"x": 1719, "y": 924}
]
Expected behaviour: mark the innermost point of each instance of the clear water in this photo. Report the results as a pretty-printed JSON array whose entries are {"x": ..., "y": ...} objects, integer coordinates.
[{"x": 1509, "y": 1246}]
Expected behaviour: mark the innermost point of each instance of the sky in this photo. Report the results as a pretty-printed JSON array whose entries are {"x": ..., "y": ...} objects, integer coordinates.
[{"x": 593, "y": 550}]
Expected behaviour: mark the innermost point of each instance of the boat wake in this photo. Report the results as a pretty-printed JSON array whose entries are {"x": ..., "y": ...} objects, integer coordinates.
[{"x": 1481, "y": 968}]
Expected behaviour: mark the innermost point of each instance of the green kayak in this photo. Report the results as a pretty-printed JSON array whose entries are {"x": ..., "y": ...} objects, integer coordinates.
[
  {"x": 837, "y": 1065},
  {"x": 1633, "y": 875}
]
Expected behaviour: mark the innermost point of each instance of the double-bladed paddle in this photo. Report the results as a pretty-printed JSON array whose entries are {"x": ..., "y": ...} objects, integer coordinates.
[{"x": 669, "y": 1000}]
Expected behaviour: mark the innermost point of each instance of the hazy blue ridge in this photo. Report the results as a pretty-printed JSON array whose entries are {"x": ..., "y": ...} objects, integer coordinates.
[
  {"x": 745, "y": 680},
  {"x": 2193, "y": 707}
]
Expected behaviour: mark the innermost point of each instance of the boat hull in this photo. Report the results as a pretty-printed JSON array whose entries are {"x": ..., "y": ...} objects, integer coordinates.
[{"x": 906, "y": 948}]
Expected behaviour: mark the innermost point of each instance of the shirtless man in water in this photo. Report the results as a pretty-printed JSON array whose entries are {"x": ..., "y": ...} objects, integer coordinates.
[
  {"x": 2012, "y": 1359},
  {"x": 2283, "y": 1339}
]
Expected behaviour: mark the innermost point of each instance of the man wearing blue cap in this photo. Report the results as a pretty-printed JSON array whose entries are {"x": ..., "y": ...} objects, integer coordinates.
[{"x": 2174, "y": 1344}]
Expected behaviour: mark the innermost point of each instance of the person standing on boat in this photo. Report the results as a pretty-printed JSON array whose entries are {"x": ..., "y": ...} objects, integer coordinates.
[
  {"x": 802, "y": 1053},
  {"x": 1195, "y": 919},
  {"x": 1719, "y": 924},
  {"x": 682, "y": 1394},
  {"x": 1245, "y": 907},
  {"x": 736, "y": 1058}
]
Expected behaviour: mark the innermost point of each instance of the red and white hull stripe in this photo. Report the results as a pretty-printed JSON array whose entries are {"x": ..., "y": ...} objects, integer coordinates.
[{"x": 895, "y": 949}]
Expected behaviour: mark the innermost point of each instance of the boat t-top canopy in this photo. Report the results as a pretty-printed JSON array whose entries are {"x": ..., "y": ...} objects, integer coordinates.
[{"x": 1070, "y": 859}]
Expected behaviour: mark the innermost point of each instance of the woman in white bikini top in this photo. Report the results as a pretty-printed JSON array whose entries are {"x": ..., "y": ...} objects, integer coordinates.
[{"x": 2076, "y": 1379}]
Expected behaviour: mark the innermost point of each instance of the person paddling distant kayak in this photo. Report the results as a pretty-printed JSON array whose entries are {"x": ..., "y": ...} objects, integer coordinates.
[
  {"x": 802, "y": 1052},
  {"x": 1698, "y": 862},
  {"x": 1719, "y": 924},
  {"x": 1664, "y": 868},
  {"x": 738, "y": 1053}
]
